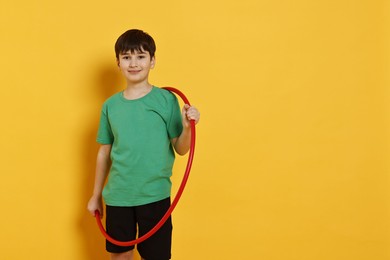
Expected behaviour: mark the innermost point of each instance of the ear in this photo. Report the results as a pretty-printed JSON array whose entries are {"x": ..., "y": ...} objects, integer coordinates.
[
  {"x": 153, "y": 62},
  {"x": 118, "y": 62}
]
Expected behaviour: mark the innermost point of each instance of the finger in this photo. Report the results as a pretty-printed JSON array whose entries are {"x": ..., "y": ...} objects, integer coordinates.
[
  {"x": 186, "y": 107},
  {"x": 101, "y": 212},
  {"x": 193, "y": 114},
  {"x": 91, "y": 211}
]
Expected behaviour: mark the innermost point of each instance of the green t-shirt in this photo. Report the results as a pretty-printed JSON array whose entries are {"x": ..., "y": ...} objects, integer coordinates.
[{"x": 142, "y": 156}]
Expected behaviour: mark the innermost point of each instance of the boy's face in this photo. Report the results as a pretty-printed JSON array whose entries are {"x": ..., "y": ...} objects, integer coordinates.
[{"x": 136, "y": 65}]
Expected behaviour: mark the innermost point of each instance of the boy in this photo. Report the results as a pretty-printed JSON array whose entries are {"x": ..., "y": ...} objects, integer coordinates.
[{"x": 139, "y": 130}]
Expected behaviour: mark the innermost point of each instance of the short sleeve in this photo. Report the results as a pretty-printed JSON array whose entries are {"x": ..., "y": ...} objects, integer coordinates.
[
  {"x": 104, "y": 135},
  {"x": 175, "y": 125}
]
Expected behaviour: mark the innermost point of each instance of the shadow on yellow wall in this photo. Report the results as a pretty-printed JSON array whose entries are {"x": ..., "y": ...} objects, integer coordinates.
[{"x": 106, "y": 82}]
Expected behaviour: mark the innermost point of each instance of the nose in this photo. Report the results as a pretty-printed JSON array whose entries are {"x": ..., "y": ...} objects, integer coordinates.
[{"x": 133, "y": 63}]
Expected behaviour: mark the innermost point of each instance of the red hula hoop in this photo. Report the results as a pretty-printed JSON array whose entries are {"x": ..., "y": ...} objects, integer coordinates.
[{"x": 178, "y": 194}]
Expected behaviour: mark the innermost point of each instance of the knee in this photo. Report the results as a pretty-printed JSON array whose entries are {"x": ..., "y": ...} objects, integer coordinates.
[{"x": 123, "y": 256}]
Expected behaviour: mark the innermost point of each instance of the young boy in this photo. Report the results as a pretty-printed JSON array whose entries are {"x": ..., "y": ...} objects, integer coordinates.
[{"x": 139, "y": 130}]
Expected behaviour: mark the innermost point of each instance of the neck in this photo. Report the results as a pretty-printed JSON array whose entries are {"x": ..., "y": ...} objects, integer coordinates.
[{"x": 138, "y": 85}]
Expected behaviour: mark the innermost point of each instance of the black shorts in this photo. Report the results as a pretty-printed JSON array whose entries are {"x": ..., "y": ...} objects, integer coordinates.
[{"x": 122, "y": 222}]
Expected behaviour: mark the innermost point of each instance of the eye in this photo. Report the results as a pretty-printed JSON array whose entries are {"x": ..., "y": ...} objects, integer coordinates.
[{"x": 141, "y": 57}]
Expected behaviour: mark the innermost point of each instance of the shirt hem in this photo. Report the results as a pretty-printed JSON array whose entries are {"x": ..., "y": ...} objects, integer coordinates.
[{"x": 135, "y": 203}]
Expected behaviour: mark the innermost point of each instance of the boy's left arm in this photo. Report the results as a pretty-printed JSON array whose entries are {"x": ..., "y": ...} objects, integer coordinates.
[{"x": 183, "y": 142}]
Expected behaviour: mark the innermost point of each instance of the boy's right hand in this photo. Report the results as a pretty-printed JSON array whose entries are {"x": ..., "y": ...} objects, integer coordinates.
[{"x": 95, "y": 203}]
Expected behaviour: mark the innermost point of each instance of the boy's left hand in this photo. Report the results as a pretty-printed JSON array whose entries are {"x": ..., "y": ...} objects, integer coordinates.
[{"x": 190, "y": 113}]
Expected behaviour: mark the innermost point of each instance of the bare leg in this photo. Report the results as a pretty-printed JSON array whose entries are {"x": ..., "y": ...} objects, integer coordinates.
[{"x": 123, "y": 256}]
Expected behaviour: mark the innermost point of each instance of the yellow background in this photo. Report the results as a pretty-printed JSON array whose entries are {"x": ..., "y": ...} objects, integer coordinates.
[{"x": 292, "y": 157}]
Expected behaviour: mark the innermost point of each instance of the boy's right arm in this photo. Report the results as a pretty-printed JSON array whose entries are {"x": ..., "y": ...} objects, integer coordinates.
[{"x": 102, "y": 166}]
